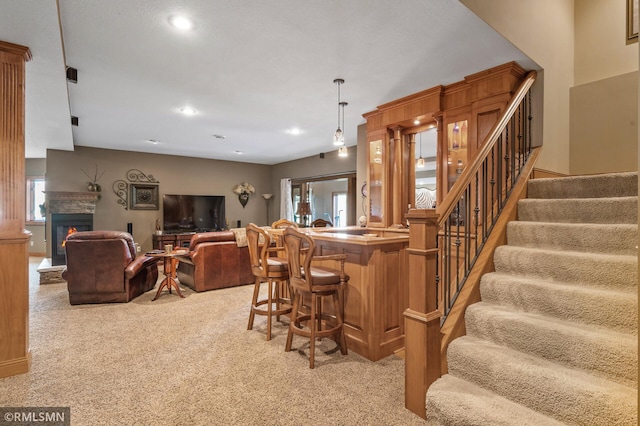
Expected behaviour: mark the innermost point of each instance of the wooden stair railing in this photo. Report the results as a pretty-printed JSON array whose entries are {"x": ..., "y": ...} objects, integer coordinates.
[{"x": 452, "y": 246}]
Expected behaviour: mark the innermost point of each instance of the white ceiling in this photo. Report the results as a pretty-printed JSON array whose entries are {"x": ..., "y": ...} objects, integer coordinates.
[{"x": 252, "y": 69}]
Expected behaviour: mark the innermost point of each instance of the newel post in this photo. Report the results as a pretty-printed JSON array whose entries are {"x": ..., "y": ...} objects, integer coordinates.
[
  {"x": 15, "y": 355},
  {"x": 421, "y": 318}
]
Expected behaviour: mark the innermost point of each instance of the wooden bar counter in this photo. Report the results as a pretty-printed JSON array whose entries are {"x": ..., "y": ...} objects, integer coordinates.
[{"x": 377, "y": 292}]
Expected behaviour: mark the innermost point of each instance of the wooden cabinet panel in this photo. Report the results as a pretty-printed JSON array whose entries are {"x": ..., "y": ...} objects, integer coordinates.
[
  {"x": 476, "y": 100},
  {"x": 376, "y": 294}
]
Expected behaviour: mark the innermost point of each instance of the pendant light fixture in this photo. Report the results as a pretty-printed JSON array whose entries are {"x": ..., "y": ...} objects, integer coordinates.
[
  {"x": 420, "y": 163},
  {"x": 338, "y": 137},
  {"x": 342, "y": 151}
]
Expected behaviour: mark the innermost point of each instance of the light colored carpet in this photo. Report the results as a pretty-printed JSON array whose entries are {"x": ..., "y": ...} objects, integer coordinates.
[
  {"x": 555, "y": 337},
  {"x": 191, "y": 361}
]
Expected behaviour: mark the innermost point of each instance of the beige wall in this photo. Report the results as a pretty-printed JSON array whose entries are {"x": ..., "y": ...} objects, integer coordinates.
[
  {"x": 576, "y": 43},
  {"x": 177, "y": 175},
  {"x": 601, "y": 49},
  {"x": 604, "y": 129},
  {"x": 182, "y": 175},
  {"x": 604, "y": 100},
  {"x": 544, "y": 31}
]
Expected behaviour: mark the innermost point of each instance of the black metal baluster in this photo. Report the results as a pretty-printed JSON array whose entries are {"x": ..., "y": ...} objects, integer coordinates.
[
  {"x": 506, "y": 158},
  {"x": 476, "y": 210}
]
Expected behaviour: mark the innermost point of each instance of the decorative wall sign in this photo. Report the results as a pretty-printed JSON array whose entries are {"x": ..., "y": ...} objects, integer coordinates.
[
  {"x": 144, "y": 196},
  {"x": 135, "y": 175},
  {"x": 121, "y": 189},
  {"x": 144, "y": 191}
]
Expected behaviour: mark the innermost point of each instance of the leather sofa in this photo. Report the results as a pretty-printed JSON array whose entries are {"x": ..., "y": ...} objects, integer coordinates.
[
  {"x": 215, "y": 261},
  {"x": 102, "y": 267}
]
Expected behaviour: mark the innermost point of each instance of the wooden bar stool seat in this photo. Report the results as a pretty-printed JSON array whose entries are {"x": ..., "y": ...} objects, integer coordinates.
[
  {"x": 314, "y": 283},
  {"x": 272, "y": 270}
]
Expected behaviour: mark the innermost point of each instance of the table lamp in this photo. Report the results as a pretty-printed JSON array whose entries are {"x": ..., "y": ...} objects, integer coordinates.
[{"x": 304, "y": 210}]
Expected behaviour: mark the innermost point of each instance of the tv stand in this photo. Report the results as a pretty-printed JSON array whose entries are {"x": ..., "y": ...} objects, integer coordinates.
[{"x": 177, "y": 240}]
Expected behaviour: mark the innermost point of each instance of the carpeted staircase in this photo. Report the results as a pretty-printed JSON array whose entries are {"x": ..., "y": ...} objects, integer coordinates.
[{"x": 555, "y": 338}]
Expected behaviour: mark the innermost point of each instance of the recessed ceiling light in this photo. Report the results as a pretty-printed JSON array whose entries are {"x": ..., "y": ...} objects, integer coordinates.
[
  {"x": 416, "y": 122},
  {"x": 219, "y": 136},
  {"x": 294, "y": 131},
  {"x": 239, "y": 152},
  {"x": 153, "y": 141},
  {"x": 187, "y": 111},
  {"x": 180, "y": 22}
]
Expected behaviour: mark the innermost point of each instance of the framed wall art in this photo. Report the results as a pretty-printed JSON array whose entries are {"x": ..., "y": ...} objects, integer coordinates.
[
  {"x": 632, "y": 21},
  {"x": 144, "y": 196}
]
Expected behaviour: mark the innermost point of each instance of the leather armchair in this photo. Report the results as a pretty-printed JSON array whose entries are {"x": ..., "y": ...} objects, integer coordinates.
[
  {"x": 215, "y": 261},
  {"x": 102, "y": 267}
]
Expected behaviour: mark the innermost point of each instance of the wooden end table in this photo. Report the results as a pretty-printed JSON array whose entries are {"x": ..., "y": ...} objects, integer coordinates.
[{"x": 169, "y": 261}]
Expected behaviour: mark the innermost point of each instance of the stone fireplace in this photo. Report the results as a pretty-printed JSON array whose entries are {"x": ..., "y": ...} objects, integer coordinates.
[
  {"x": 68, "y": 212},
  {"x": 62, "y": 225}
]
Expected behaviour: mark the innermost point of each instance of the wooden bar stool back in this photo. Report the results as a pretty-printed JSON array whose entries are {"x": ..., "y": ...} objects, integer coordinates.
[
  {"x": 314, "y": 283},
  {"x": 270, "y": 269},
  {"x": 320, "y": 223},
  {"x": 282, "y": 224}
]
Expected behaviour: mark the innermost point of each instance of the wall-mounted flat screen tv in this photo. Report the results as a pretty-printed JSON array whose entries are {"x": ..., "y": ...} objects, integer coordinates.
[{"x": 193, "y": 213}]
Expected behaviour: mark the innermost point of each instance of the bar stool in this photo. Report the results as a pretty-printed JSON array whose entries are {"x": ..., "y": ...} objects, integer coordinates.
[
  {"x": 315, "y": 283},
  {"x": 283, "y": 223},
  {"x": 278, "y": 228},
  {"x": 269, "y": 269}
]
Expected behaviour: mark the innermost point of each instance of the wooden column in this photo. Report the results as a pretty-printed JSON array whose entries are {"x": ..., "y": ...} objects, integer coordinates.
[
  {"x": 396, "y": 178},
  {"x": 441, "y": 158},
  {"x": 421, "y": 318},
  {"x": 410, "y": 174},
  {"x": 15, "y": 356}
]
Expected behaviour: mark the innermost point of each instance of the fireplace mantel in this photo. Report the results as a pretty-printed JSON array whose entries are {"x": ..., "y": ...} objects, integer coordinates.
[{"x": 71, "y": 202}]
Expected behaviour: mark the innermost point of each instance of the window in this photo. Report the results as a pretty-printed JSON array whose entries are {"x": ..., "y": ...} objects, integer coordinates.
[
  {"x": 339, "y": 209},
  {"x": 35, "y": 199},
  {"x": 332, "y": 197}
]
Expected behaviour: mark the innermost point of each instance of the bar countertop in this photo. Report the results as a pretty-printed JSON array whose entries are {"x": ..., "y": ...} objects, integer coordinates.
[{"x": 358, "y": 235}]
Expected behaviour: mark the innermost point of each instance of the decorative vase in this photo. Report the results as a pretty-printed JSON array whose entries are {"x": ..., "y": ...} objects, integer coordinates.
[{"x": 244, "y": 198}]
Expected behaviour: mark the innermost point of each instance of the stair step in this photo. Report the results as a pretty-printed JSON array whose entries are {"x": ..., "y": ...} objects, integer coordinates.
[
  {"x": 453, "y": 401},
  {"x": 565, "y": 394},
  {"x": 605, "y": 353},
  {"x": 600, "y": 270},
  {"x": 620, "y": 210},
  {"x": 601, "y": 185},
  {"x": 596, "y": 238},
  {"x": 616, "y": 310}
]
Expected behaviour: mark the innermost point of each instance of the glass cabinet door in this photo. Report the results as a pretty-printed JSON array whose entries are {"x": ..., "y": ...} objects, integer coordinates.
[
  {"x": 457, "y": 150},
  {"x": 376, "y": 179}
]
